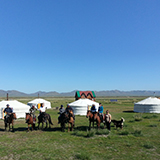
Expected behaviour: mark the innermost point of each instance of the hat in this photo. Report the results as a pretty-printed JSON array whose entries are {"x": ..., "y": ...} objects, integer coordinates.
[
  {"x": 61, "y": 106},
  {"x": 7, "y": 105}
]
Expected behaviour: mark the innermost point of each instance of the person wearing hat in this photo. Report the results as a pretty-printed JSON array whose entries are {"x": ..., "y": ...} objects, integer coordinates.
[
  {"x": 32, "y": 112},
  {"x": 61, "y": 111},
  {"x": 8, "y": 112}
]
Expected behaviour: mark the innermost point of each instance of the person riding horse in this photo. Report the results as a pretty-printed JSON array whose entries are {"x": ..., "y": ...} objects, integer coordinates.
[
  {"x": 100, "y": 111},
  {"x": 69, "y": 108},
  {"x": 42, "y": 111},
  {"x": 8, "y": 112},
  {"x": 32, "y": 113}
]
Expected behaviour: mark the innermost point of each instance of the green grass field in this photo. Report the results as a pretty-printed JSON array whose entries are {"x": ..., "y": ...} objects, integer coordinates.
[{"x": 139, "y": 138}]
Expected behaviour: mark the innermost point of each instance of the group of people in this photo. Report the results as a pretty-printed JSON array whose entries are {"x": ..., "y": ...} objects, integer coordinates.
[
  {"x": 62, "y": 110},
  {"x": 107, "y": 117},
  {"x": 42, "y": 110}
]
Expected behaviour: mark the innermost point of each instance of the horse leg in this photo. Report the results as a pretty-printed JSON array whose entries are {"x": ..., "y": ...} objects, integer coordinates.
[
  {"x": 68, "y": 127},
  {"x": 12, "y": 126},
  {"x": 9, "y": 127}
]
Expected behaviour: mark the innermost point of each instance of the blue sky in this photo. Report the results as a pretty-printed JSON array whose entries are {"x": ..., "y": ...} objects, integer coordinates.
[{"x": 86, "y": 45}]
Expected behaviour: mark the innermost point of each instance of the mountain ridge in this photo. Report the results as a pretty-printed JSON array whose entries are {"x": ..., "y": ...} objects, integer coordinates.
[{"x": 15, "y": 93}]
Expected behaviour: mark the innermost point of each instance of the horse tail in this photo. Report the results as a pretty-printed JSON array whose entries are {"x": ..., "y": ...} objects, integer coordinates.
[{"x": 49, "y": 119}]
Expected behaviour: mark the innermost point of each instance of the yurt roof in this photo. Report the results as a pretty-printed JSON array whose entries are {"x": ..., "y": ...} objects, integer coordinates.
[
  {"x": 13, "y": 104},
  {"x": 149, "y": 101},
  {"x": 84, "y": 102},
  {"x": 38, "y": 100}
]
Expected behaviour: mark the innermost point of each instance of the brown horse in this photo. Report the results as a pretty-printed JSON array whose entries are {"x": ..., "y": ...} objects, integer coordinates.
[
  {"x": 93, "y": 118},
  {"x": 29, "y": 121},
  {"x": 70, "y": 120},
  {"x": 10, "y": 120}
]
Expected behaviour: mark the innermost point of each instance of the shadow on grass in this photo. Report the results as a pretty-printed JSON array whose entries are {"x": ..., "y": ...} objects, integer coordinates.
[{"x": 129, "y": 111}]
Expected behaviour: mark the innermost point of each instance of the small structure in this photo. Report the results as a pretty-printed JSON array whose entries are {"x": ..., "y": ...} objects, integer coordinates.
[
  {"x": 19, "y": 108},
  {"x": 148, "y": 105},
  {"x": 81, "y": 106},
  {"x": 38, "y": 102},
  {"x": 85, "y": 94}
]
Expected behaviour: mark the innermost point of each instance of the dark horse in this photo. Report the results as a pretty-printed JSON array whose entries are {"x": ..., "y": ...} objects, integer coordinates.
[
  {"x": 67, "y": 118},
  {"x": 29, "y": 120},
  {"x": 10, "y": 120},
  {"x": 94, "y": 118},
  {"x": 43, "y": 118}
]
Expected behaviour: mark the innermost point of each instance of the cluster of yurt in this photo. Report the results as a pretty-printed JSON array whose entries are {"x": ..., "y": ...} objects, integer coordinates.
[
  {"x": 20, "y": 108},
  {"x": 148, "y": 105}
]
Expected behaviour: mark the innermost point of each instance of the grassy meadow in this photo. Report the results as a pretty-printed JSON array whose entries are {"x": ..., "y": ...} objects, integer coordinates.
[{"x": 139, "y": 139}]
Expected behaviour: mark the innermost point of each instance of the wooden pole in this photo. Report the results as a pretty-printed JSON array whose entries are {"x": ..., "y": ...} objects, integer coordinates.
[{"x": 7, "y": 96}]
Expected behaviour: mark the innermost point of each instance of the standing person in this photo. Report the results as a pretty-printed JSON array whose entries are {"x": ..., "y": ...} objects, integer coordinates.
[
  {"x": 61, "y": 111},
  {"x": 8, "y": 112},
  {"x": 100, "y": 111},
  {"x": 108, "y": 120}
]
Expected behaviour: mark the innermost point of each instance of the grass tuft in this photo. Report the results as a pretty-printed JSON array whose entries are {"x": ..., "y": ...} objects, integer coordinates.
[
  {"x": 124, "y": 133},
  {"x": 138, "y": 117},
  {"x": 102, "y": 132},
  {"x": 153, "y": 125},
  {"x": 137, "y": 133},
  {"x": 148, "y": 146},
  {"x": 82, "y": 156}
]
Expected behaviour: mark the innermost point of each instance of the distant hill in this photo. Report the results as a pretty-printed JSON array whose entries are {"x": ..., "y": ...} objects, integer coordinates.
[{"x": 14, "y": 93}]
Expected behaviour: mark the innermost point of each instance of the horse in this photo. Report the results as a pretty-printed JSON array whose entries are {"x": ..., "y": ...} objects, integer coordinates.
[
  {"x": 29, "y": 120},
  {"x": 70, "y": 120},
  {"x": 93, "y": 118},
  {"x": 43, "y": 118},
  {"x": 10, "y": 120},
  {"x": 67, "y": 118}
]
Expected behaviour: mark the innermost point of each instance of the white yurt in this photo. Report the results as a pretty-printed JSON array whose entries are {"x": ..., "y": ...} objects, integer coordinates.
[
  {"x": 36, "y": 102},
  {"x": 19, "y": 108},
  {"x": 148, "y": 105},
  {"x": 80, "y": 106}
]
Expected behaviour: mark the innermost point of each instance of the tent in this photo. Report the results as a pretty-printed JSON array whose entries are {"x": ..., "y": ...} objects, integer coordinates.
[
  {"x": 19, "y": 108},
  {"x": 80, "y": 106},
  {"x": 38, "y": 101},
  {"x": 148, "y": 105}
]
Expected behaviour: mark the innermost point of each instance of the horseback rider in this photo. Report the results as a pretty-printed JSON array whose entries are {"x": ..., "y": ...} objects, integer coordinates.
[
  {"x": 32, "y": 113},
  {"x": 69, "y": 108},
  {"x": 42, "y": 111},
  {"x": 100, "y": 112},
  {"x": 93, "y": 110},
  {"x": 8, "y": 112},
  {"x": 61, "y": 111}
]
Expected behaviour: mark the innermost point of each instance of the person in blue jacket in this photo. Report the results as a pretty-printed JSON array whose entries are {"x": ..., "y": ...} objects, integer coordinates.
[{"x": 100, "y": 111}]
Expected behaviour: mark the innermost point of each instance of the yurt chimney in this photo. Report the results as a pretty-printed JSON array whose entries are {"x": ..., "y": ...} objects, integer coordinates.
[{"x": 7, "y": 96}]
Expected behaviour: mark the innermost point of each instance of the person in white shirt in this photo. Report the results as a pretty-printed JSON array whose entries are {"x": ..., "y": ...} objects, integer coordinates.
[{"x": 42, "y": 112}]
